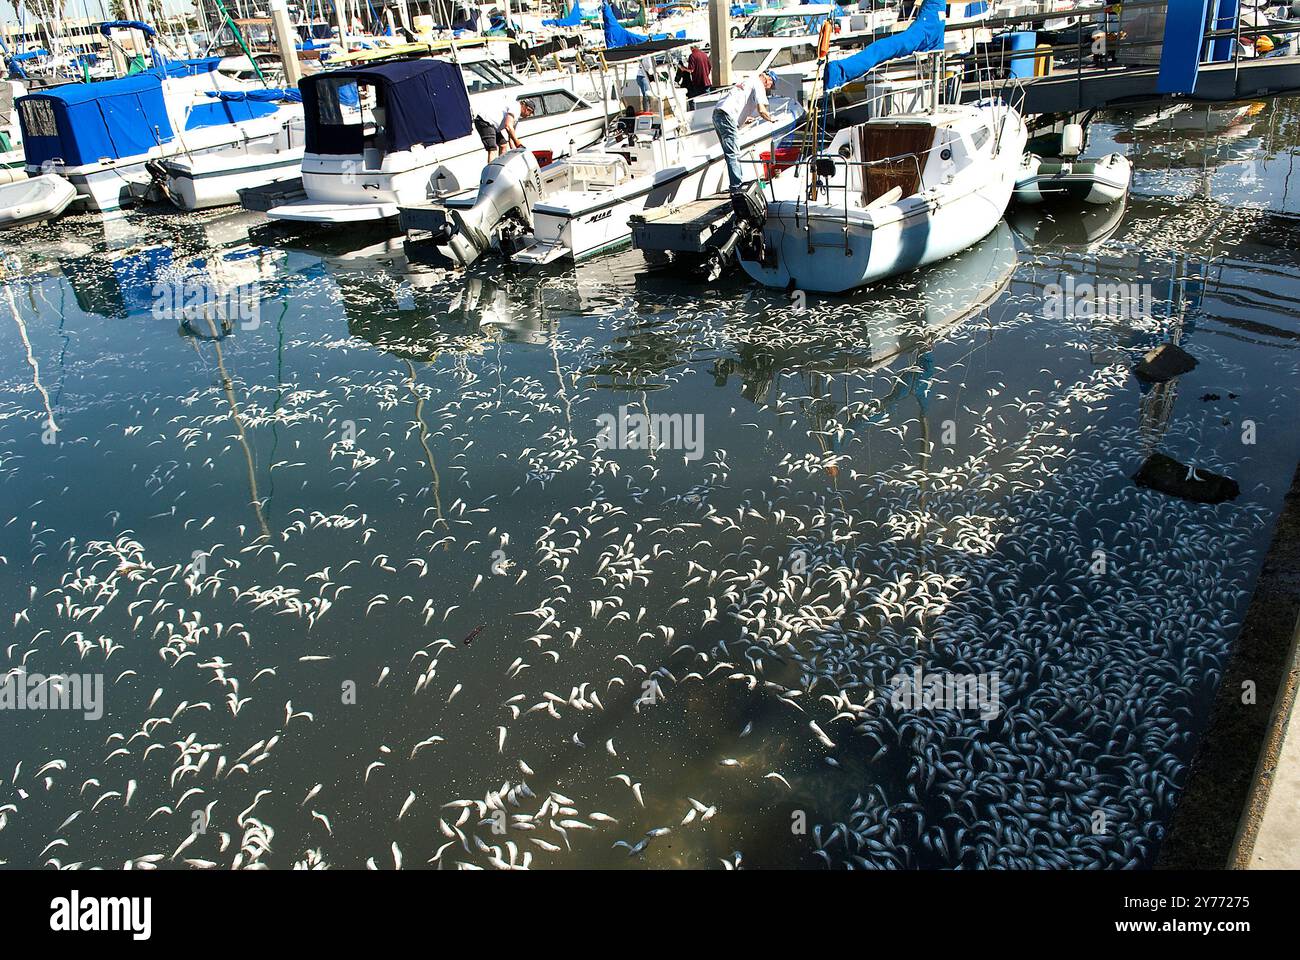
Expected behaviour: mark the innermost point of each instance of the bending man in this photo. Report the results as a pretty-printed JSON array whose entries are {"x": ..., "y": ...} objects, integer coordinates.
[{"x": 743, "y": 102}]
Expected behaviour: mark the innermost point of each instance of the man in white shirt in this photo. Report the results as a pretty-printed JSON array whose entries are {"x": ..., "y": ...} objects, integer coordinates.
[
  {"x": 742, "y": 103},
  {"x": 497, "y": 128}
]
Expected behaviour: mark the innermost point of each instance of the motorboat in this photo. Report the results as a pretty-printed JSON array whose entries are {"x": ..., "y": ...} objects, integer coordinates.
[
  {"x": 102, "y": 136},
  {"x": 581, "y": 205},
  {"x": 381, "y": 136}
]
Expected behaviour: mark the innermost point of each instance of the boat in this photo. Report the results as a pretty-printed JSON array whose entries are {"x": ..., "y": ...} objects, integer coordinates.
[
  {"x": 581, "y": 205},
  {"x": 389, "y": 134},
  {"x": 1052, "y": 170},
  {"x": 36, "y": 198},
  {"x": 1103, "y": 180},
  {"x": 890, "y": 194},
  {"x": 214, "y": 178},
  {"x": 102, "y": 136}
]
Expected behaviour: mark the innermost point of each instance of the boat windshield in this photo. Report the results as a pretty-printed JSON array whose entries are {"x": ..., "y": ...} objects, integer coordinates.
[
  {"x": 747, "y": 60},
  {"x": 481, "y": 75},
  {"x": 793, "y": 26}
]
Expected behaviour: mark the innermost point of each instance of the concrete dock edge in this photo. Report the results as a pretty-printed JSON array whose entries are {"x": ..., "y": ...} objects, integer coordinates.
[{"x": 1218, "y": 821}]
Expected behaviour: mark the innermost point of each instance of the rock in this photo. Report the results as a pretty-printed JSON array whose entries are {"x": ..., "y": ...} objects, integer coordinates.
[
  {"x": 1164, "y": 363},
  {"x": 1167, "y": 475}
]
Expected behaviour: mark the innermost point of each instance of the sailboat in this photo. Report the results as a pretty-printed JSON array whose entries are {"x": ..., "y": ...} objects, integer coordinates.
[{"x": 888, "y": 195}]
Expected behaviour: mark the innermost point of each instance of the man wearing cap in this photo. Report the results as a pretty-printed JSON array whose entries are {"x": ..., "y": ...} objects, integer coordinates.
[
  {"x": 496, "y": 125},
  {"x": 740, "y": 105}
]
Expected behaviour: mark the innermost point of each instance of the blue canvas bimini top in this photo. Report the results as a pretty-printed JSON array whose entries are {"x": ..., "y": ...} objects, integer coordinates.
[{"x": 423, "y": 102}]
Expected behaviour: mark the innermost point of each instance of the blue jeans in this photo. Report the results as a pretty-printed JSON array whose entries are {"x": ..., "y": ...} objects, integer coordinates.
[
  {"x": 644, "y": 84},
  {"x": 726, "y": 129}
]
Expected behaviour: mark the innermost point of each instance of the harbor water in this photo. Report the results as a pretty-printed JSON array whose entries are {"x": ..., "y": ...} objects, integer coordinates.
[{"x": 383, "y": 565}]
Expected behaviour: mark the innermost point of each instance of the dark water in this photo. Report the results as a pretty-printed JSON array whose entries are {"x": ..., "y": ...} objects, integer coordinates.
[{"x": 308, "y": 510}]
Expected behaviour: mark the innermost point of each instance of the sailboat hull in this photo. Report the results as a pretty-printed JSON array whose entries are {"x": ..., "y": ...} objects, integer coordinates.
[{"x": 826, "y": 247}]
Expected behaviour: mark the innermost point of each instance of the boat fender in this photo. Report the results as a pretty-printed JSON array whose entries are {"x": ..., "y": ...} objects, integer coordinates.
[{"x": 1072, "y": 140}]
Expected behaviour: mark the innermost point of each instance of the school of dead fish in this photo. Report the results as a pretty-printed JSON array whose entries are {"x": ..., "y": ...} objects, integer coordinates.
[{"x": 447, "y": 540}]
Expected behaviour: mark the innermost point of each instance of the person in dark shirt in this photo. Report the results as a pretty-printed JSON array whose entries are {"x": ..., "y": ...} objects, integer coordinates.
[{"x": 698, "y": 73}]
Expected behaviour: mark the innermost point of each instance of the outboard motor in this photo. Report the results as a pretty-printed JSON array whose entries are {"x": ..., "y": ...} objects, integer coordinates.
[
  {"x": 749, "y": 211},
  {"x": 507, "y": 190}
]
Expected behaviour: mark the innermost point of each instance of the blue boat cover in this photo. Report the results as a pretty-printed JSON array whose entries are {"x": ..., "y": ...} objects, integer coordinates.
[
  {"x": 111, "y": 25},
  {"x": 84, "y": 122},
  {"x": 227, "y": 110},
  {"x": 269, "y": 95},
  {"x": 616, "y": 35},
  {"x": 424, "y": 102},
  {"x": 570, "y": 19},
  {"x": 925, "y": 33}
]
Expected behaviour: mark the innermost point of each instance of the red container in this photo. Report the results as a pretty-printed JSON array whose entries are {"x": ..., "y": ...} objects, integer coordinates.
[
  {"x": 544, "y": 157},
  {"x": 786, "y": 157}
]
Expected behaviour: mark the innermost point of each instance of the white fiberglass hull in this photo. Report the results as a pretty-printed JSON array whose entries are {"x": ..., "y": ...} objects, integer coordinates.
[
  {"x": 333, "y": 183},
  {"x": 818, "y": 248},
  {"x": 575, "y": 225},
  {"x": 112, "y": 184},
  {"x": 216, "y": 181}
]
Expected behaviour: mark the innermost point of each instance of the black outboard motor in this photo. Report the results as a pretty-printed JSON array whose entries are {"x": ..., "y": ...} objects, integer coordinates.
[{"x": 749, "y": 209}]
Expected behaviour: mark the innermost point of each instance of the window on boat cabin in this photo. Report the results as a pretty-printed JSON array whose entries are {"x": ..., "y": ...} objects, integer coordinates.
[
  {"x": 747, "y": 60},
  {"x": 38, "y": 116},
  {"x": 343, "y": 103},
  {"x": 483, "y": 76},
  {"x": 980, "y": 137},
  {"x": 556, "y": 102},
  {"x": 788, "y": 56}
]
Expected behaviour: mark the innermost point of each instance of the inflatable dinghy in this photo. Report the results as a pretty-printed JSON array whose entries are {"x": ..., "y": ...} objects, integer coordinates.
[
  {"x": 38, "y": 198},
  {"x": 1093, "y": 181}
]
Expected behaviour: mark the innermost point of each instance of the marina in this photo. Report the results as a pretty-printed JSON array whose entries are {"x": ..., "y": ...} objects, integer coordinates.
[{"x": 420, "y": 452}]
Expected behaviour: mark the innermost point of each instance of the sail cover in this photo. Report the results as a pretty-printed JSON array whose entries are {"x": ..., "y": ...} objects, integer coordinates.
[
  {"x": 925, "y": 33},
  {"x": 616, "y": 35},
  {"x": 570, "y": 19},
  {"x": 423, "y": 101}
]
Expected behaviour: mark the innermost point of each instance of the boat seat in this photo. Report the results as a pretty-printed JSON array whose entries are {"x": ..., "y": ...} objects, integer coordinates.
[{"x": 908, "y": 142}]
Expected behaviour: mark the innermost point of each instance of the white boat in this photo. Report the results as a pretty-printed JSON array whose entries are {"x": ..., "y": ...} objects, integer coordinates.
[
  {"x": 397, "y": 133},
  {"x": 891, "y": 194},
  {"x": 580, "y": 206},
  {"x": 102, "y": 136},
  {"x": 11, "y": 132},
  {"x": 1100, "y": 181},
  {"x": 214, "y": 179},
  {"x": 37, "y": 198}
]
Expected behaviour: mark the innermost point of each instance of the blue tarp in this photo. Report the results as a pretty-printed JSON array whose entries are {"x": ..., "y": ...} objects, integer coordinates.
[
  {"x": 925, "y": 33},
  {"x": 423, "y": 101},
  {"x": 616, "y": 35},
  {"x": 84, "y": 122},
  {"x": 110, "y": 26},
  {"x": 570, "y": 19},
  {"x": 269, "y": 95}
]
